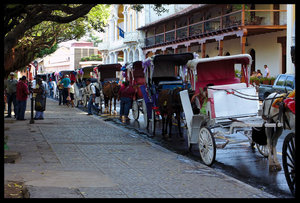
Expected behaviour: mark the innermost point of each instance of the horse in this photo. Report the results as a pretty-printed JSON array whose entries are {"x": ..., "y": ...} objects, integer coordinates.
[
  {"x": 272, "y": 114},
  {"x": 169, "y": 103},
  {"x": 110, "y": 91}
]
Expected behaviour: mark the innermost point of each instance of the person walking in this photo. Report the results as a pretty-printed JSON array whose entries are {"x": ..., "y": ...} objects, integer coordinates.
[
  {"x": 10, "y": 90},
  {"x": 126, "y": 93},
  {"x": 72, "y": 92},
  {"x": 66, "y": 89},
  {"x": 267, "y": 72},
  {"x": 21, "y": 95},
  {"x": 40, "y": 100},
  {"x": 92, "y": 96},
  {"x": 60, "y": 90}
]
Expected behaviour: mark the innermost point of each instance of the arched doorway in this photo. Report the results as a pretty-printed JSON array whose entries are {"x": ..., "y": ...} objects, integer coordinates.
[{"x": 252, "y": 54}]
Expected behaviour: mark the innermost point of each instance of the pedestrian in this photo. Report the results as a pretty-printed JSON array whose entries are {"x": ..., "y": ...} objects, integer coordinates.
[
  {"x": 259, "y": 74},
  {"x": 126, "y": 94},
  {"x": 254, "y": 74},
  {"x": 22, "y": 94},
  {"x": 66, "y": 89},
  {"x": 72, "y": 92},
  {"x": 50, "y": 84},
  {"x": 60, "y": 90},
  {"x": 40, "y": 100},
  {"x": 267, "y": 72},
  {"x": 10, "y": 90},
  {"x": 92, "y": 96}
]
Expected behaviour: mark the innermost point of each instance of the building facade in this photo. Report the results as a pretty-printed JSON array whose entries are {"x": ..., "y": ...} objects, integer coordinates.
[
  {"x": 68, "y": 58},
  {"x": 223, "y": 29},
  {"x": 123, "y": 41}
]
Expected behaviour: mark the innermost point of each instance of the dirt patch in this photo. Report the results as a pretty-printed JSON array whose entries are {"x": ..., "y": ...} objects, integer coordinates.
[{"x": 15, "y": 189}]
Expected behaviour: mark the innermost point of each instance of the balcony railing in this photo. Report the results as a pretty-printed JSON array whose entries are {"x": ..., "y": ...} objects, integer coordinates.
[{"x": 233, "y": 19}]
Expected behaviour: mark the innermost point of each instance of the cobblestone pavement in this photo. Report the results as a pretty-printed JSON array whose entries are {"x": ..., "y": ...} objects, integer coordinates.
[{"x": 72, "y": 155}]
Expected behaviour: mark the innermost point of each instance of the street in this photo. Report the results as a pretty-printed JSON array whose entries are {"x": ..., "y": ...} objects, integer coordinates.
[{"x": 237, "y": 160}]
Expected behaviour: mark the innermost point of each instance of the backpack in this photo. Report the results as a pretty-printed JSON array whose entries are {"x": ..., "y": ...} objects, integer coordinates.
[{"x": 97, "y": 91}]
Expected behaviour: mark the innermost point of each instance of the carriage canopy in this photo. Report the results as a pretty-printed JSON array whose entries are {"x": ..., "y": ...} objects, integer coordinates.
[
  {"x": 164, "y": 64},
  {"x": 108, "y": 70},
  {"x": 219, "y": 70}
]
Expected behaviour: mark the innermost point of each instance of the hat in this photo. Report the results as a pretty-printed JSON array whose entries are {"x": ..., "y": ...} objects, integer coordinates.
[{"x": 12, "y": 73}]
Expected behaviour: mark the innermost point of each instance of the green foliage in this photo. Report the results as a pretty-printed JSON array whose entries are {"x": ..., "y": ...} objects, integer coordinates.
[
  {"x": 47, "y": 51},
  {"x": 97, "y": 18},
  {"x": 92, "y": 58},
  {"x": 158, "y": 8}
]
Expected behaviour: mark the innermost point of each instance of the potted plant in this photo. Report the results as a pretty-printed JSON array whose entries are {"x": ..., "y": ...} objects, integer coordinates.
[
  {"x": 272, "y": 79},
  {"x": 265, "y": 81}
]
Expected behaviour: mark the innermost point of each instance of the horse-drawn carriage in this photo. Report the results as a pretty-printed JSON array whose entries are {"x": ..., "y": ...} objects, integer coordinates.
[
  {"x": 109, "y": 75},
  {"x": 163, "y": 74},
  {"x": 80, "y": 88},
  {"x": 135, "y": 76},
  {"x": 232, "y": 108}
]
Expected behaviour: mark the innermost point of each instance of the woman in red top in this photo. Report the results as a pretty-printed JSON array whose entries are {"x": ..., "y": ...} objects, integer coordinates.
[
  {"x": 21, "y": 96},
  {"x": 126, "y": 93}
]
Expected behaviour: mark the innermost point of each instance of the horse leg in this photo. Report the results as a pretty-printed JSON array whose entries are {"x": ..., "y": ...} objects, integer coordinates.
[
  {"x": 170, "y": 122},
  {"x": 276, "y": 135},
  {"x": 115, "y": 106},
  {"x": 110, "y": 101},
  {"x": 106, "y": 104},
  {"x": 163, "y": 126},
  {"x": 269, "y": 133}
]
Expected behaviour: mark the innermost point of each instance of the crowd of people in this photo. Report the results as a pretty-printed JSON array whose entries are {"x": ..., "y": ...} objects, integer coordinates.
[
  {"x": 17, "y": 92},
  {"x": 258, "y": 73}
]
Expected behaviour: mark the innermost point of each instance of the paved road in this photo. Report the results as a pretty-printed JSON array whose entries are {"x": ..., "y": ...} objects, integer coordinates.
[
  {"x": 237, "y": 160},
  {"x": 70, "y": 154}
]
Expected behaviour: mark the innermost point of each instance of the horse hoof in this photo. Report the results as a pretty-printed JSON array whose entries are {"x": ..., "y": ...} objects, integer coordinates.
[{"x": 274, "y": 168}]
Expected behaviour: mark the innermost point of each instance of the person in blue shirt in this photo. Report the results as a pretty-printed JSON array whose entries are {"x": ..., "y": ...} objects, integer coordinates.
[{"x": 66, "y": 90}]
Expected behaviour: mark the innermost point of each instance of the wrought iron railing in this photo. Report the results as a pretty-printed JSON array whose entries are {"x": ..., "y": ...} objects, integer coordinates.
[{"x": 233, "y": 19}]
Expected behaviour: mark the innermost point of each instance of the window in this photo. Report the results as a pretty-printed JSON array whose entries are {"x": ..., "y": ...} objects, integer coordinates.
[
  {"x": 290, "y": 82},
  {"x": 281, "y": 80}
]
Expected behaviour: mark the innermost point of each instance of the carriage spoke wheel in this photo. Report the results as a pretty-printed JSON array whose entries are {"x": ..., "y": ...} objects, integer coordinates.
[
  {"x": 135, "y": 110},
  {"x": 207, "y": 146},
  {"x": 289, "y": 161},
  {"x": 263, "y": 149}
]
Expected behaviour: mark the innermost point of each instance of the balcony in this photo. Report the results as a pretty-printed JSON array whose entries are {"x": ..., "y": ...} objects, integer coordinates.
[
  {"x": 250, "y": 19},
  {"x": 131, "y": 37}
]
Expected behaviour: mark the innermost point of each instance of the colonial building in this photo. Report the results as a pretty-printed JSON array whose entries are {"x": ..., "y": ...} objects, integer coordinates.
[
  {"x": 68, "y": 58},
  {"x": 123, "y": 41},
  {"x": 223, "y": 29}
]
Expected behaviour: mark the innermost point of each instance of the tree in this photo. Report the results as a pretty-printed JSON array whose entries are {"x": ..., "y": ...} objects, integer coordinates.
[
  {"x": 28, "y": 29},
  {"x": 31, "y": 28}
]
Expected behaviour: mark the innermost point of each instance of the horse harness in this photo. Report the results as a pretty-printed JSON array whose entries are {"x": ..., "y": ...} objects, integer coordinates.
[{"x": 281, "y": 112}]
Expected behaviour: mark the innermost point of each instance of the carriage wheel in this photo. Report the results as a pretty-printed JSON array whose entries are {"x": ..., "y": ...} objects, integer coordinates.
[
  {"x": 289, "y": 161},
  {"x": 207, "y": 146},
  {"x": 135, "y": 110},
  {"x": 263, "y": 149},
  {"x": 151, "y": 124},
  {"x": 144, "y": 107}
]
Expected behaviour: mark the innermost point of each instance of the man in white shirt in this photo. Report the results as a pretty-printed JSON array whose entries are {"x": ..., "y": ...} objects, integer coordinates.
[
  {"x": 267, "y": 72},
  {"x": 92, "y": 92}
]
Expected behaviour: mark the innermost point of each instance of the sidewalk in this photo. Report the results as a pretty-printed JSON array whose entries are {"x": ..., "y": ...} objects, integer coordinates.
[{"x": 72, "y": 155}]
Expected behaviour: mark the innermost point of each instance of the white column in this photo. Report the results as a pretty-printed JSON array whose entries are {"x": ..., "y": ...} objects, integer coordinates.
[
  {"x": 290, "y": 67},
  {"x": 116, "y": 56},
  {"x": 116, "y": 29},
  {"x": 125, "y": 21}
]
